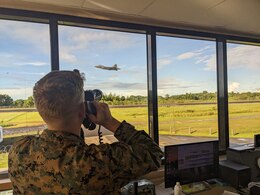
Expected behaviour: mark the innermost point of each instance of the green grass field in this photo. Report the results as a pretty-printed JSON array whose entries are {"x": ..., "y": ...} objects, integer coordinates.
[
  {"x": 20, "y": 119},
  {"x": 197, "y": 120},
  {"x": 192, "y": 120}
]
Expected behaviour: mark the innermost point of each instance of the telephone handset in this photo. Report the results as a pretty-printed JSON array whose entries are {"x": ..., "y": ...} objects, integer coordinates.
[
  {"x": 90, "y": 96},
  {"x": 91, "y": 109}
]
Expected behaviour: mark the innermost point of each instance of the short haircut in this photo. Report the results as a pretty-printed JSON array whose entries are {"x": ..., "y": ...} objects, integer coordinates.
[{"x": 58, "y": 94}]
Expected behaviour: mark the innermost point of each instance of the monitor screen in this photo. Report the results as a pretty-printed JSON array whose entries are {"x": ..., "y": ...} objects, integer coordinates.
[{"x": 187, "y": 163}]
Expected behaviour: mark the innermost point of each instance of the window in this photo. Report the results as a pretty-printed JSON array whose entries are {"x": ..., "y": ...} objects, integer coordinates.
[
  {"x": 243, "y": 92},
  {"x": 95, "y": 52},
  {"x": 187, "y": 90},
  {"x": 24, "y": 59}
]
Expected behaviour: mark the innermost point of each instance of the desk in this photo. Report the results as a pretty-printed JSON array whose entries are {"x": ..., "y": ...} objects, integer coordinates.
[
  {"x": 216, "y": 190},
  {"x": 157, "y": 177},
  {"x": 159, "y": 188},
  {"x": 5, "y": 184}
]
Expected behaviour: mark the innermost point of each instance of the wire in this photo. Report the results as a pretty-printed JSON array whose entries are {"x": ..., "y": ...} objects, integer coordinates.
[{"x": 100, "y": 135}]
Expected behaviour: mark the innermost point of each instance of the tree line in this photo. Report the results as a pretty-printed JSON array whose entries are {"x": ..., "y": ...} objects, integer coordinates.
[
  {"x": 6, "y": 100},
  {"x": 113, "y": 99}
]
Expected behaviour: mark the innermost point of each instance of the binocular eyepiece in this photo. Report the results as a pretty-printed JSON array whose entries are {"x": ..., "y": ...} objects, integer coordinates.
[{"x": 93, "y": 95}]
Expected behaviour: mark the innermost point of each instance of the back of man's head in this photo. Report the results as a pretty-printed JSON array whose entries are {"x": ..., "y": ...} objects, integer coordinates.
[{"x": 59, "y": 94}]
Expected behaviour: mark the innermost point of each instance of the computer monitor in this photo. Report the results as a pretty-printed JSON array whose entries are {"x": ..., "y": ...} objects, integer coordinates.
[{"x": 192, "y": 162}]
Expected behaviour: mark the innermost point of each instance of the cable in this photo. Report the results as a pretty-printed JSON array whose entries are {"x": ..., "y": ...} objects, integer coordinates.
[
  {"x": 99, "y": 129},
  {"x": 100, "y": 135}
]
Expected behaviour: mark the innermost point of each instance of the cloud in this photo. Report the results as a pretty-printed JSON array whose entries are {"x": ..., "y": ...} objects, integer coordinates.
[
  {"x": 66, "y": 54},
  {"x": 241, "y": 56},
  {"x": 17, "y": 93},
  {"x": 121, "y": 85},
  {"x": 170, "y": 82},
  {"x": 197, "y": 54},
  {"x": 164, "y": 62},
  {"x": 187, "y": 55},
  {"x": 201, "y": 57},
  {"x": 20, "y": 75},
  {"x": 35, "y": 34},
  {"x": 170, "y": 85},
  {"x": 233, "y": 86},
  {"x": 113, "y": 78},
  {"x": 31, "y": 63},
  {"x": 28, "y": 73},
  {"x": 104, "y": 39},
  {"x": 257, "y": 89},
  {"x": 137, "y": 71},
  {"x": 208, "y": 47},
  {"x": 244, "y": 56},
  {"x": 23, "y": 41},
  {"x": 6, "y": 59},
  {"x": 210, "y": 63},
  {"x": 74, "y": 40},
  {"x": 5, "y": 55},
  {"x": 121, "y": 88}
]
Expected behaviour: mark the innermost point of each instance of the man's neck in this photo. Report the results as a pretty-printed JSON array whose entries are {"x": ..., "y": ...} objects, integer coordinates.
[{"x": 71, "y": 128}]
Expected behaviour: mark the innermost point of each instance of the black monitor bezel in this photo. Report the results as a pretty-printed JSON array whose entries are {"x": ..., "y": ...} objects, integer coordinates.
[{"x": 184, "y": 144}]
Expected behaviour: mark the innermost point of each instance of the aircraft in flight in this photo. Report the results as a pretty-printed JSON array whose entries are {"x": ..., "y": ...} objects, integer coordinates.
[{"x": 108, "y": 67}]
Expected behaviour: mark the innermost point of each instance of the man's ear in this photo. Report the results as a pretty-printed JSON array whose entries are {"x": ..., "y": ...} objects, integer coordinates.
[{"x": 82, "y": 111}]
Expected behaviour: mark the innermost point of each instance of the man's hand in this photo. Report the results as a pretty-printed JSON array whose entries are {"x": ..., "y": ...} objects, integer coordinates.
[{"x": 104, "y": 117}]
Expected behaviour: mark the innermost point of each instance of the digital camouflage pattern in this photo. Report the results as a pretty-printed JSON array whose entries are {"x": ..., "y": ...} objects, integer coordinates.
[{"x": 59, "y": 162}]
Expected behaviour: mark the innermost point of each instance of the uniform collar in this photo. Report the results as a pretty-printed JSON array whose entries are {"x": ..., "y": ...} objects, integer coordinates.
[{"x": 61, "y": 135}]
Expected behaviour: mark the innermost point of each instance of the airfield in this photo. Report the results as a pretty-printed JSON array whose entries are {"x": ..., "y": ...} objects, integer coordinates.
[
  {"x": 108, "y": 137},
  {"x": 198, "y": 120},
  {"x": 13, "y": 134}
]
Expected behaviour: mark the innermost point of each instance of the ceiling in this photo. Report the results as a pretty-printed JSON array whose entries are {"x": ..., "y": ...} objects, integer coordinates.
[{"x": 235, "y": 17}]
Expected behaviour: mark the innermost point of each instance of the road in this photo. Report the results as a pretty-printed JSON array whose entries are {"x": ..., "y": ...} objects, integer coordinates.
[{"x": 91, "y": 137}]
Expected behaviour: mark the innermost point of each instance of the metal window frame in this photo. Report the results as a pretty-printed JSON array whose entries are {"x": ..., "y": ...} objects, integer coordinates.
[
  {"x": 54, "y": 43},
  {"x": 151, "y": 33},
  {"x": 222, "y": 91},
  {"x": 152, "y": 85}
]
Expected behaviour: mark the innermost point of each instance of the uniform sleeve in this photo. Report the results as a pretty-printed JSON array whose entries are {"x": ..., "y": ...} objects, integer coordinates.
[
  {"x": 139, "y": 142},
  {"x": 134, "y": 155}
]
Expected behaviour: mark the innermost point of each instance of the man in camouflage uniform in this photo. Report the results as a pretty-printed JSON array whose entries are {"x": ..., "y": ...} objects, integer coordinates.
[{"x": 59, "y": 162}]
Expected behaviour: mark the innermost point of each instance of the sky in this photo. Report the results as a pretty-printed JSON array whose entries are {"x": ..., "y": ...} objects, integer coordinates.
[{"x": 183, "y": 65}]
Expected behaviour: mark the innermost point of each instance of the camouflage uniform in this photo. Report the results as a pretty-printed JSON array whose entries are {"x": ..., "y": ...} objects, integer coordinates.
[{"x": 59, "y": 162}]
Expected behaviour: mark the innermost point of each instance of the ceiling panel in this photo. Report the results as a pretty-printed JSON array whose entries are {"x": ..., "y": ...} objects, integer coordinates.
[
  {"x": 121, "y": 6},
  {"x": 176, "y": 10},
  {"x": 226, "y": 16},
  {"x": 214, "y": 14},
  {"x": 237, "y": 15}
]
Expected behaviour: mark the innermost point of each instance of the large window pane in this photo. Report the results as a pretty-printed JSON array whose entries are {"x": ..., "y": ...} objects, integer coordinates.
[
  {"x": 24, "y": 59},
  {"x": 187, "y": 89},
  {"x": 244, "y": 92},
  {"x": 125, "y": 90}
]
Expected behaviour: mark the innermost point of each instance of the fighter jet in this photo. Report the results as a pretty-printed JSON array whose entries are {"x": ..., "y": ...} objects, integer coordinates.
[{"x": 108, "y": 67}]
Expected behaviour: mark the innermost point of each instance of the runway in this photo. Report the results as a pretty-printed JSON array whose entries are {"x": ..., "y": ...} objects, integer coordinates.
[{"x": 108, "y": 137}]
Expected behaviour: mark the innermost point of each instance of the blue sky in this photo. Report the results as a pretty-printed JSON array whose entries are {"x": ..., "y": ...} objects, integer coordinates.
[{"x": 184, "y": 65}]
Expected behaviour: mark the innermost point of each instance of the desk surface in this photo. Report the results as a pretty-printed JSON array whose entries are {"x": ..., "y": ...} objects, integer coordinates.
[
  {"x": 159, "y": 188},
  {"x": 216, "y": 190},
  {"x": 157, "y": 177}
]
